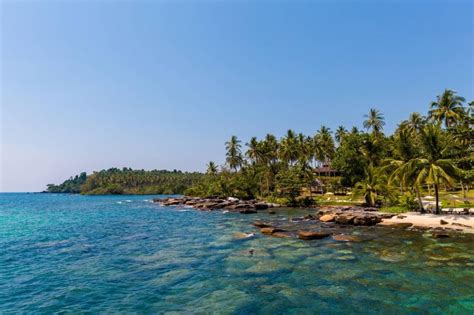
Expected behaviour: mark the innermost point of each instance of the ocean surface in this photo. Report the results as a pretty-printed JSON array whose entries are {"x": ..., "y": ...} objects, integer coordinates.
[{"x": 73, "y": 254}]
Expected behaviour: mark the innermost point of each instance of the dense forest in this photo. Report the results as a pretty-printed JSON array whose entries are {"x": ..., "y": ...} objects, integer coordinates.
[
  {"x": 424, "y": 154},
  {"x": 71, "y": 185},
  {"x": 128, "y": 181}
]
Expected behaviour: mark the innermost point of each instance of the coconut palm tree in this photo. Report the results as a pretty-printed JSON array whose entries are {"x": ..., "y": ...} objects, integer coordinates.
[
  {"x": 375, "y": 121},
  {"x": 340, "y": 133},
  {"x": 447, "y": 108},
  {"x": 434, "y": 167},
  {"x": 373, "y": 186},
  {"x": 234, "y": 155},
  {"x": 288, "y": 148},
  {"x": 324, "y": 144},
  {"x": 253, "y": 152},
  {"x": 211, "y": 168},
  {"x": 405, "y": 150},
  {"x": 414, "y": 123}
]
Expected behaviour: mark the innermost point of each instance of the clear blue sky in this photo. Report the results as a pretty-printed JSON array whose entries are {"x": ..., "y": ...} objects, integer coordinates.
[{"x": 96, "y": 84}]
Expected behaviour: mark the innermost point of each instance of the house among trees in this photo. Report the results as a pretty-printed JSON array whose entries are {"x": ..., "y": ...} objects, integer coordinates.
[{"x": 326, "y": 171}]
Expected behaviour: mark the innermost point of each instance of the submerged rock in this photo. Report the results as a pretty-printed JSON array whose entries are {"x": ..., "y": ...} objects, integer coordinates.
[
  {"x": 270, "y": 230},
  {"x": 261, "y": 224},
  {"x": 310, "y": 235},
  {"x": 399, "y": 225},
  {"x": 345, "y": 238}
]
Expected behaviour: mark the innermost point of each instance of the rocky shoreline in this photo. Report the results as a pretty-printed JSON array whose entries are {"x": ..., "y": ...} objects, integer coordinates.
[
  {"x": 231, "y": 204},
  {"x": 325, "y": 222}
]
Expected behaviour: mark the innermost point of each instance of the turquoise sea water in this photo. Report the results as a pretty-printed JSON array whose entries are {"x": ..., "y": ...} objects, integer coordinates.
[{"x": 124, "y": 254}]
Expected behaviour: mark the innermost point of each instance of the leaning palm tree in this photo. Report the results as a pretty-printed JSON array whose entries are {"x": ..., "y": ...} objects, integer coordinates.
[
  {"x": 375, "y": 121},
  {"x": 447, "y": 108},
  {"x": 211, "y": 168},
  {"x": 434, "y": 167},
  {"x": 234, "y": 155}
]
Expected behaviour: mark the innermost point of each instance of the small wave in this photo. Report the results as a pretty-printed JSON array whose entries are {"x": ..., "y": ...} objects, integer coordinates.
[
  {"x": 128, "y": 200},
  {"x": 119, "y": 202},
  {"x": 225, "y": 211}
]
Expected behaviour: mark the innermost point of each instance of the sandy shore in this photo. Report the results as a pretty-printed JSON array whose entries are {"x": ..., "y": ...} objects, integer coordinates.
[{"x": 458, "y": 222}]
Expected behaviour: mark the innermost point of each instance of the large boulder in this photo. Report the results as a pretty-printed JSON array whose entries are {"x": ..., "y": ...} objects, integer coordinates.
[
  {"x": 327, "y": 218},
  {"x": 345, "y": 219},
  {"x": 310, "y": 235},
  {"x": 261, "y": 206},
  {"x": 367, "y": 220}
]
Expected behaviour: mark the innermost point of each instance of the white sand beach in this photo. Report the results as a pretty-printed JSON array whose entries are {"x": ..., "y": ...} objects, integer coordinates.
[{"x": 449, "y": 221}]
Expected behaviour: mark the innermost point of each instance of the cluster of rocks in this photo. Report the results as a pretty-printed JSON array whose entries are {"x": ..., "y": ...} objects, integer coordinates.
[
  {"x": 352, "y": 215},
  {"x": 231, "y": 204},
  {"x": 275, "y": 231}
]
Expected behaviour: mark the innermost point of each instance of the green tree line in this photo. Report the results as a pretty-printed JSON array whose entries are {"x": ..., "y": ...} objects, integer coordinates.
[
  {"x": 128, "y": 181},
  {"x": 424, "y": 152}
]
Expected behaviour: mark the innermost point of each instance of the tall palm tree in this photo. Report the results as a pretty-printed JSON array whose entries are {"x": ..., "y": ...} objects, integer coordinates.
[
  {"x": 288, "y": 148},
  {"x": 434, "y": 167},
  {"x": 324, "y": 145},
  {"x": 234, "y": 155},
  {"x": 340, "y": 133},
  {"x": 375, "y": 121},
  {"x": 253, "y": 152},
  {"x": 447, "y": 108},
  {"x": 211, "y": 168},
  {"x": 405, "y": 151}
]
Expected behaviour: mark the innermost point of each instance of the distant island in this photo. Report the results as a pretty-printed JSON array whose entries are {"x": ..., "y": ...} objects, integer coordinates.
[{"x": 115, "y": 181}]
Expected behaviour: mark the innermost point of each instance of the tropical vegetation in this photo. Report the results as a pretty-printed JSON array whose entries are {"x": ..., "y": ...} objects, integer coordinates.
[
  {"x": 128, "y": 181},
  {"x": 424, "y": 154}
]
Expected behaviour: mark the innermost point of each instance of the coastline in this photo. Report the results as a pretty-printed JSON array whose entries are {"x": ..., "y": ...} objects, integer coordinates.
[{"x": 324, "y": 221}]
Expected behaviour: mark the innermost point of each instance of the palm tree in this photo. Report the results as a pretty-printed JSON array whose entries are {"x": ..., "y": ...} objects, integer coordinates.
[
  {"x": 374, "y": 121},
  {"x": 211, "y": 168},
  {"x": 433, "y": 167},
  {"x": 324, "y": 145},
  {"x": 414, "y": 123},
  {"x": 288, "y": 148},
  {"x": 447, "y": 108},
  {"x": 253, "y": 152},
  {"x": 405, "y": 150},
  {"x": 340, "y": 134},
  {"x": 234, "y": 155},
  {"x": 373, "y": 186}
]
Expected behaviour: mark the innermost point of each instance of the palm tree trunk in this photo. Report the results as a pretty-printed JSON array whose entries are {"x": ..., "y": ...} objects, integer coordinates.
[
  {"x": 464, "y": 193},
  {"x": 420, "y": 203},
  {"x": 437, "y": 198}
]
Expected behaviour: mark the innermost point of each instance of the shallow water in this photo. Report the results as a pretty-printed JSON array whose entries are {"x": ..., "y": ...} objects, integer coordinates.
[{"x": 125, "y": 254}]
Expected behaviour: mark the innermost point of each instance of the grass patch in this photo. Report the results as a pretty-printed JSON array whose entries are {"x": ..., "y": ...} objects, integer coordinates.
[{"x": 394, "y": 209}]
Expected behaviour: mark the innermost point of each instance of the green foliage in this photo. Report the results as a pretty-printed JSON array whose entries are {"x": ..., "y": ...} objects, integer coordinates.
[
  {"x": 349, "y": 159},
  {"x": 128, "y": 181},
  {"x": 72, "y": 185}
]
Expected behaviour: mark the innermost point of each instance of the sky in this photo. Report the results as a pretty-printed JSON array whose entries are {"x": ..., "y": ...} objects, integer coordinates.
[{"x": 88, "y": 85}]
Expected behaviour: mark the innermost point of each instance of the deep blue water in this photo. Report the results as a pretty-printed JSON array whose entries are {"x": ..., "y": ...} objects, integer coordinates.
[{"x": 125, "y": 254}]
